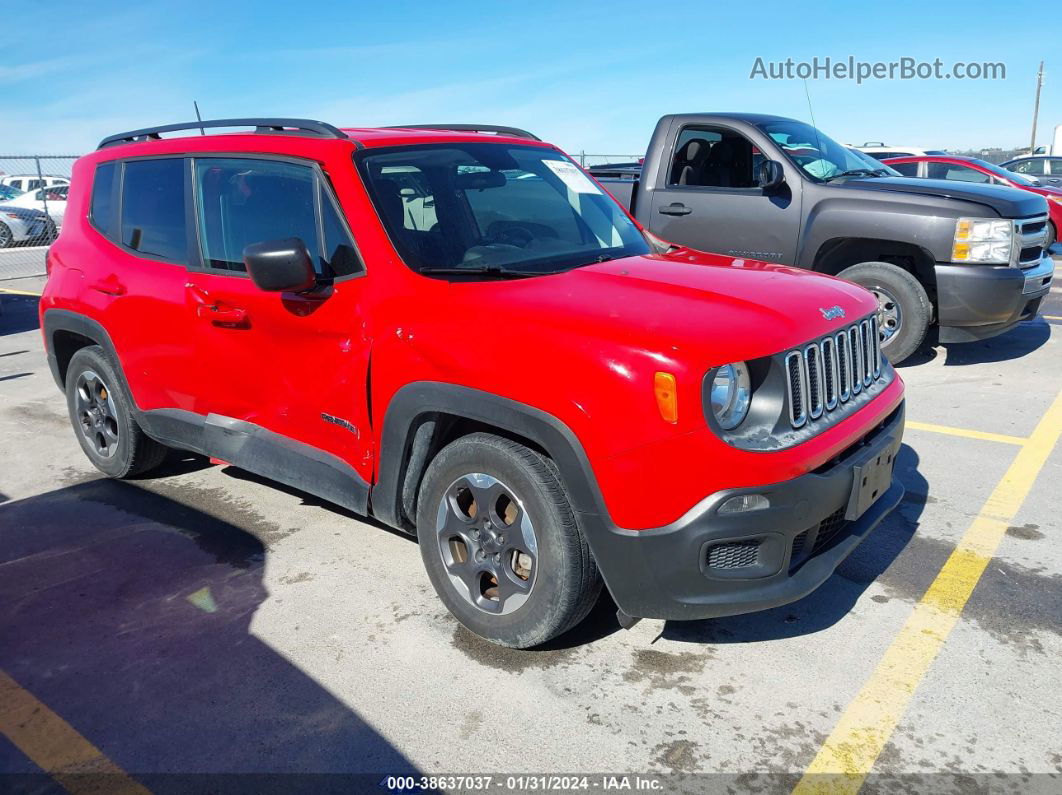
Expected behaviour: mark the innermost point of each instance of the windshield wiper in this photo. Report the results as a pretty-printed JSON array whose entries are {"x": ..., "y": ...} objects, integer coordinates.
[
  {"x": 857, "y": 172},
  {"x": 481, "y": 270}
]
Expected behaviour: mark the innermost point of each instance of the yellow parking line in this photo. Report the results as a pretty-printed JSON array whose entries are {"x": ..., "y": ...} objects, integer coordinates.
[
  {"x": 853, "y": 746},
  {"x": 9, "y": 291},
  {"x": 56, "y": 747},
  {"x": 1052, "y": 317},
  {"x": 966, "y": 432}
]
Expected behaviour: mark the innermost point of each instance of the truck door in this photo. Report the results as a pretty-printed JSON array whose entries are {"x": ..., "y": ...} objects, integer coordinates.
[{"x": 709, "y": 198}]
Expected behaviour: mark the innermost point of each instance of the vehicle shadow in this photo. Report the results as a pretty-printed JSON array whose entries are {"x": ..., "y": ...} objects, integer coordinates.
[
  {"x": 834, "y": 599},
  {"x": 128, "y": 613},
  {"x": 1021, "y": 340},
  {"x": 18, "y": 313}
]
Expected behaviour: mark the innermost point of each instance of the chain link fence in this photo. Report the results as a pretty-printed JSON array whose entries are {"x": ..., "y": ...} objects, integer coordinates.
[
  {"x": 586, "y": 159},
  {"x": 32, "y": 203}
]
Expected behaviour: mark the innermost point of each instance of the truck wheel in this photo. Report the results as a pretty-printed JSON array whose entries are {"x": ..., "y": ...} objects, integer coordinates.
[
  {"x": 1051, "y": 236},
  {"x": 904, "y": 310},
  {"x": 103, "y": 420},
  {"x": 501, "y": 544}
]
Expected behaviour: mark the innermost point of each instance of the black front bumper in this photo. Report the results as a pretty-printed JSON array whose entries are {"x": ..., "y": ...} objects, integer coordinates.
[
  {"x": 975, "y": 302},
  {"x": 686, "y": 570}
]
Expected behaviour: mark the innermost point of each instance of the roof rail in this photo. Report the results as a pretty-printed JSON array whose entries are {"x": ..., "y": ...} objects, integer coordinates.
[
  {"x": 270, "y": 126},
  {"x": 516, "y": 132}
]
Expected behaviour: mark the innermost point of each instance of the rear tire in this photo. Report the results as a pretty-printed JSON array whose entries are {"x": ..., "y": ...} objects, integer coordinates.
[
  {"x": 103, "y": 419},
  {"x": 517, "y": 575},
  {"x": 904, "y": 311}
]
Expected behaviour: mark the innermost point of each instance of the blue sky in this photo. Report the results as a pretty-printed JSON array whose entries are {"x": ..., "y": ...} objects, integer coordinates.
[{"x": 590, "y": 76}]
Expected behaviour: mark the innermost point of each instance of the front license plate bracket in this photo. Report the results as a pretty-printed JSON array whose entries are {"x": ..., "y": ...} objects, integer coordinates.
[{"x": 871, "y": 477}]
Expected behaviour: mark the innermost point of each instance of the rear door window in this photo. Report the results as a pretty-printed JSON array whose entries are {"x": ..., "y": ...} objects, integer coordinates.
[
  {"x": 1032, "y": 167},
  {"x": 907, "y": 169},
  {"x": 957, "y": 173},
  {"x": 153, "y": 208}
]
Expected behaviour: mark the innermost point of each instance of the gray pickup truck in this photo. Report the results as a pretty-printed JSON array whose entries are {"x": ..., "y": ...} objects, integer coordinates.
[{"x": 969, "y": 258}]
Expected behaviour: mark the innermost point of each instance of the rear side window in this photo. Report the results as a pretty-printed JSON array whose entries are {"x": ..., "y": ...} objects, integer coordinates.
[
  {"x": 907, "y": 169},
  {"x": 245, "y": 201},
  {"x": 153, "y": 220},
  {"x": 102, "y": 212}
]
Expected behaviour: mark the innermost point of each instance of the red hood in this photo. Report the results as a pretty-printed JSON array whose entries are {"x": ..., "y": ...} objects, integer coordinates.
[{"x": 710, "y": 308}]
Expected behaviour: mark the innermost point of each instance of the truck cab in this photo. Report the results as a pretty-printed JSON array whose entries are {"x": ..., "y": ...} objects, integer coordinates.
[{"x": 966, "y": 258}]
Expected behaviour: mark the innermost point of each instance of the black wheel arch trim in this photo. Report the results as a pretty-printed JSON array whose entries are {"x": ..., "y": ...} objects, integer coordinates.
[
  {"x": 66, "y": 320},
  {"x": 413, "y": 401}
]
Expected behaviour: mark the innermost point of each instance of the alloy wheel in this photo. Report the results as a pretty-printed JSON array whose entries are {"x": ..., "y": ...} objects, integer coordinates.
[
  {"x": 487, "y": 542},
  {"x": 889, "y": 316},
  {"x": 97, "y": 416}
]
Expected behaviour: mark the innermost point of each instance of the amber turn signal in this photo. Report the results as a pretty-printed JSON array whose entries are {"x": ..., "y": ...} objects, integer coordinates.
[{"x": 666, "y": 396}]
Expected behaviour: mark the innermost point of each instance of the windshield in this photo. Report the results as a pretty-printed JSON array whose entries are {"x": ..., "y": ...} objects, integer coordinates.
[
  {"x": 820, "y": 156},
  {"x": 1002, "y": 173},
  {"x": 877, "y": 165},
  {"x": 7, "y": 192},
  {"x": 482, "y": 207}
]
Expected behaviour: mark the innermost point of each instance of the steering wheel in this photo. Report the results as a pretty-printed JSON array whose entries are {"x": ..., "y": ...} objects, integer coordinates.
[{"x": 512, "y": 235}]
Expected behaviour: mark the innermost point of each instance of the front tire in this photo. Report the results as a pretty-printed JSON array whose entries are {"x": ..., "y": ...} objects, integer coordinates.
[
  {"x": 1051, "y": 238},
  {"x": 7, "y": 239},
  {"x": 904, "y": 310},
  {"x": 103, "y": 420},
  {"x": 501, "y": 544}
]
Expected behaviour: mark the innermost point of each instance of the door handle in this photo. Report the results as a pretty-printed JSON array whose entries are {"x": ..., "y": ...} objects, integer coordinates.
[
  {"x": 223, "y": 316},
  {"x": 108, "y": 286},
  {"x": 676, "y": 208}
]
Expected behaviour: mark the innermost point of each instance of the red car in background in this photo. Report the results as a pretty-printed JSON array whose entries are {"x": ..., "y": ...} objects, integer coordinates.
[{"x": 972, "y": 169}]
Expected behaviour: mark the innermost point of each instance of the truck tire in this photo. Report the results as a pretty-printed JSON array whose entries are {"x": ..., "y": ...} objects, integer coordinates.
[
  {"x": 1051, "y": 236},
  {"x": 102, "y": 416},
  {"x": 501, "y": 544},
  {"x": 904, "y": 311}
]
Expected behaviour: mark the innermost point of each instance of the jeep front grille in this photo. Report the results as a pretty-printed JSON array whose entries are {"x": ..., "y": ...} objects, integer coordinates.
[{"x": 827, "y": 373}]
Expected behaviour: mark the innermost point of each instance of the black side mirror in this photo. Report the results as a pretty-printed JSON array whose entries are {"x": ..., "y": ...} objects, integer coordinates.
[
  {"x": 280, "y": 265},
  {"x": 771, "y": 175}
]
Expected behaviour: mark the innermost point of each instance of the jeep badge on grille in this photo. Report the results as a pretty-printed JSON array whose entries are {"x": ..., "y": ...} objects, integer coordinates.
[{"x": 832, "y": 313}]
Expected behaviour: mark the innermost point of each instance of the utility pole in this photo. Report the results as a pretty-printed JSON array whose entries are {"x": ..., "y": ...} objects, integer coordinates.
[{"x": 1036, "y": 107}]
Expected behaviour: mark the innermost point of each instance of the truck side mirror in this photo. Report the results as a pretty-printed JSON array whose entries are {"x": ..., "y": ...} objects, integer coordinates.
[
  {"x": 280, "y": 265},
  {"x": 771, "y": 175}
]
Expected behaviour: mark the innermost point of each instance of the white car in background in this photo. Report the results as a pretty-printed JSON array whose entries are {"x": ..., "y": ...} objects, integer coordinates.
[
  {"x": 27, "y": 182},
  {"x": 50, "y": 200},
  {"x": 879, "y": 151}
]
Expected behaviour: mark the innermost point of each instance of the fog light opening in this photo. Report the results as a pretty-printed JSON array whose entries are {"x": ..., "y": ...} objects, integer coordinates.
[{"x": 742, "y": 503}]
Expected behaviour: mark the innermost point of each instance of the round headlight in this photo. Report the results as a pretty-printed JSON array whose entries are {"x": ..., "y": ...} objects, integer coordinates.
[{"x": 731, "y": 393}]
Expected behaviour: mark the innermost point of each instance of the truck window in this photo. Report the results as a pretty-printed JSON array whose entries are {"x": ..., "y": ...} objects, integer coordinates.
[
  {"x": 818, "y": 155},
  {"x": 480, "y": 205},
  {"x": 714, "y": 157},
  {"x": 153, "y": 208}
]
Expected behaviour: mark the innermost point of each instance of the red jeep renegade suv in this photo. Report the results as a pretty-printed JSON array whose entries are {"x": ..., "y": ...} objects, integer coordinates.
[{"x": 455, "y": 330}]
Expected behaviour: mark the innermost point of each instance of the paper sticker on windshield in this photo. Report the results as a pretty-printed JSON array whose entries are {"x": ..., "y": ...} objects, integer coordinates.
[{"x": 571, "y": 176}]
